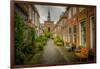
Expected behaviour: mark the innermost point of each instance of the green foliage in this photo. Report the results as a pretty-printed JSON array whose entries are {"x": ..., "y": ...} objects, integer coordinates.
[
  {"x": 58, "y": 41},
  {"x": 41, "y": 42},
  {"x": 19, "y": 57},
  {"x": 27, "y": 44},
  {"x": 24, "y": 40},
  {"x": 19, "y": 26},
  {"x": 41, "y": 38},
  {"x": 48, "y": 34}
]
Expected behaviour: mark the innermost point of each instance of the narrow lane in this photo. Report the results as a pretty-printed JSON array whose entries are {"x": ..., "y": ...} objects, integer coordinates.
[{"x": 51, "y": 55}]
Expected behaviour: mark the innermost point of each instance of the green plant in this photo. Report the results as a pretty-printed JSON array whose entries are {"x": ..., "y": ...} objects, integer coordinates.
[
  {"x": 24, "y": 40},
  {"x": 58, "y": 41},
  {"x": 41, "y": 42},
  {"x": 48, "y": 34}
]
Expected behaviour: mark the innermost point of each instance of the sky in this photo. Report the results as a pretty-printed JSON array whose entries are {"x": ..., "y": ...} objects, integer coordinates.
[{"x": 55, "y": 12}]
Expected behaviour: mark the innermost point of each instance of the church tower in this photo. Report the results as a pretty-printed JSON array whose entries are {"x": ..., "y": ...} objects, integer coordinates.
[
  {"x": 49, "y": 18},
  {"x": 48, "y": 25}
]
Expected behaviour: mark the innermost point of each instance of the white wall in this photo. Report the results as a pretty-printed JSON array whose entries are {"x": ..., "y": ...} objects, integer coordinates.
[{"x": 5, "y": 34}]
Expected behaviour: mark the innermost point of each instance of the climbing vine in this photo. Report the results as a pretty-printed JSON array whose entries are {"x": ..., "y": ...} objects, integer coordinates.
[{"x": 24, "y": 41}]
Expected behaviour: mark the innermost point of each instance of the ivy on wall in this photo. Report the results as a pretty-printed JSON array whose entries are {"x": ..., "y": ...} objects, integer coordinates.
[{"x": 24, "y": 41}]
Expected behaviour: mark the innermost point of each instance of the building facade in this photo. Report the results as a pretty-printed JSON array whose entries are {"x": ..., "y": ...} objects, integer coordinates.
[
  {"x": 60, "y": 27},
  {"x": 78, "y": 27},
  {"x": 30, "y": 15}
]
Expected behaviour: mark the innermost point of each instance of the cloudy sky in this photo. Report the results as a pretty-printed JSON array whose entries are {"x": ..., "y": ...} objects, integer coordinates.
[{"x": 55, "y": 12}]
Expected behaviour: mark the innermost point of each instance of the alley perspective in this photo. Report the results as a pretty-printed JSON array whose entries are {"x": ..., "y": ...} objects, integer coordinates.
[{"x": 50, "y": 35}]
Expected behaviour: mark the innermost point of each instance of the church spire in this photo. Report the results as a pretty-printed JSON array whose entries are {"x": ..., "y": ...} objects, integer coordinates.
[{"x": 49, "y": 18}]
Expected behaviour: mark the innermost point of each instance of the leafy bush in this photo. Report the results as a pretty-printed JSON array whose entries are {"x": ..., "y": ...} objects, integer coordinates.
[
  {"x": 24, "y": 40},
  {"x": 19, "y": 58},
  {"x": 48, "y": 34},
  {"x": 41, "y": 42},
  {"x": 58, "y": 41}
]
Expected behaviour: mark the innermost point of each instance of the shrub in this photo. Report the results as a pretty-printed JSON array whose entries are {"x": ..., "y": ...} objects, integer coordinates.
[
  {"x": 58, "y": 41},
  {"x": 41, "y": 42},
  {"x": 19, "y": 58},
  {"x": 48, "y": 34},
  {"x": 24, "y": 40},
  {"x": 40, "y": 47}
]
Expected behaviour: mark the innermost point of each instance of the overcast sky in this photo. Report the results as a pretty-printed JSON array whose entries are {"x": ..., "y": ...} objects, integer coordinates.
[{"x": 55, "y": 12}]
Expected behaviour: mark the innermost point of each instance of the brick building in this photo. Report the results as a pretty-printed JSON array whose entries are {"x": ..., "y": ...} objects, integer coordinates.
[
  {"x": 60, "y": 27},
  {"x": 30, "y": 15},
  {"x": 78, "y": 26}
]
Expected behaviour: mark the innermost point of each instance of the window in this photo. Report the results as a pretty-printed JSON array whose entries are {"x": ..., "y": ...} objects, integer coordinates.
[
  {"x": 74, "y": 11},
  {"x": 69, "y": 30},
  {"x": 75, "y": 29},
  {"x": 70, "y": 34},
  {"x": 33, "y": 18},
  {"x": 75, "y": 33},
  {"x": 92, "y": 32},
  {"x": 69, "y": 14},
  {"x": 83, "y": 33},
  {"x": 81, "y": 9}
]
